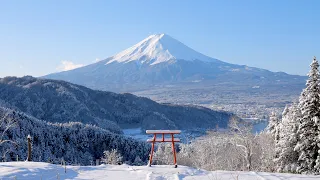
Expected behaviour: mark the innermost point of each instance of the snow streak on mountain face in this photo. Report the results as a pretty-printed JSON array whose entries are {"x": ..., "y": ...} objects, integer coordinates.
[{"x": 156, "y": 49}]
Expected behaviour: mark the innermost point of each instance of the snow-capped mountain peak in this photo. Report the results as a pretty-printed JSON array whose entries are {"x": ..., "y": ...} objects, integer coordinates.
[
  {"x": 161, "y": 60},
  {"x": 156, "y": 49}
]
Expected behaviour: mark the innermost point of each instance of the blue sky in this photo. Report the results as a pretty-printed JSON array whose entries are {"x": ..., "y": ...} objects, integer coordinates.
[{"x": 41, "y": 37}]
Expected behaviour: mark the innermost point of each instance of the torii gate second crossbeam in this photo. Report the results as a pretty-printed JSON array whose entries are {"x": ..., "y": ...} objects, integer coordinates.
[{"x": 163, "y": 139}]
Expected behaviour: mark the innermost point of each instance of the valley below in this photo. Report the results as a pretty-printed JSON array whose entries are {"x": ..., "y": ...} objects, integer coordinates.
[{"x": 246, "y": 101}]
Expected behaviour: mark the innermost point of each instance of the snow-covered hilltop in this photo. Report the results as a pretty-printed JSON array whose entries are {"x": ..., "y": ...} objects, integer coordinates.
[{"x": 158, "y": 48}]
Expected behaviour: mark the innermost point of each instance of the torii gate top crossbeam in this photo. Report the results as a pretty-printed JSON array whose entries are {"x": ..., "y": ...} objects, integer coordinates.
[{"x": 163, "y": 131}]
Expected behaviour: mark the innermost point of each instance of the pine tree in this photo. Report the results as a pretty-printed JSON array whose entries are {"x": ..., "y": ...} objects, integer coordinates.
[
  {"x": 308, "y": 130},
  {"x": 286, "y": 158},
  {"x": 273, "y": 125},
  {"x": 137, "y": 161}
]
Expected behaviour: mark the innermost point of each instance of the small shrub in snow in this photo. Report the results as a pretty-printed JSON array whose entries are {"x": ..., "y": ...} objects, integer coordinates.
[{"x": 112, "y": 157}]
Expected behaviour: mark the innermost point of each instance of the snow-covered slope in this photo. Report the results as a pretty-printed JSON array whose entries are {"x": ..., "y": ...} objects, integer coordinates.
[
  {"x": 35, "y": 170},
  {"x": 156, "y": 49}
]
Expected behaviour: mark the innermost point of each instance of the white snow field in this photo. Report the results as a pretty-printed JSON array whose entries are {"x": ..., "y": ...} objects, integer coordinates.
[{"x": 45, "y": 171}]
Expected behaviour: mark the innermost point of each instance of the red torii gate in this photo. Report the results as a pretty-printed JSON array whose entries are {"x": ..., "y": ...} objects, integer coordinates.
[{"x": 171, "y": 139}]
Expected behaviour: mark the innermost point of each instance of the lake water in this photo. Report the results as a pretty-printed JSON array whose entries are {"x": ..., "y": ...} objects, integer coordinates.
[{"x": 187, "y": 136}]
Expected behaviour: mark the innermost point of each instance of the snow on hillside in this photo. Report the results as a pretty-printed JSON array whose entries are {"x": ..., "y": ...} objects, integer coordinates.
[
  {"x": 156, "y": 49},
  {"x": 38, "y": 170}
]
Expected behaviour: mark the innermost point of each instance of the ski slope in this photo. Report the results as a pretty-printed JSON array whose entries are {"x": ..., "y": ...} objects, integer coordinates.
[{"x": 45, "y": 171}]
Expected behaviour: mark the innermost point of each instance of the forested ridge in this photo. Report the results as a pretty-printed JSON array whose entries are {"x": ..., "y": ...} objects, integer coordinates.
[
  {"x": 59, "y": 101},
  {"x": 74, "y": 142}
]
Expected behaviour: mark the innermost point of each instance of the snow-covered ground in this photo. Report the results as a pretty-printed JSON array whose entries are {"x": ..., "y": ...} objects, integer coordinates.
[{"x": 45, "y": 171}]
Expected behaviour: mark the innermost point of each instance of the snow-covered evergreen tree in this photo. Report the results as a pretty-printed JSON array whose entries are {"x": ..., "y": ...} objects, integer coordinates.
[
  {"x": 273, "y": 125},
  {"x": 286, "y": 158},
  {"x": 308, "y": 130},
  {"x": 138, "y": 162}
]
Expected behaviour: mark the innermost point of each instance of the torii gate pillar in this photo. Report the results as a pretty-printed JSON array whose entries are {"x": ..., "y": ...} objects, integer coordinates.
[{"x": 171, "y": 139}]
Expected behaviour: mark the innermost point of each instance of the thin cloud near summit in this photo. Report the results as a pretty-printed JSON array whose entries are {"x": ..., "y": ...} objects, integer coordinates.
[{"x": 68, "y": 65}]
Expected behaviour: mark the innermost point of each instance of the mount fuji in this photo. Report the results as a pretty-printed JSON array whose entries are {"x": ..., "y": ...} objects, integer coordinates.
[
  {"x": 160, "y": 63},
  {"x": 161, "y": 59},
  {"x": 158, "y": 48}
]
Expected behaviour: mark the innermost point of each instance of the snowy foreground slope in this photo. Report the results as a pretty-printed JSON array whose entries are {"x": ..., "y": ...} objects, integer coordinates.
[{"x": 37, "y": 170}]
